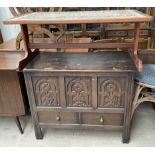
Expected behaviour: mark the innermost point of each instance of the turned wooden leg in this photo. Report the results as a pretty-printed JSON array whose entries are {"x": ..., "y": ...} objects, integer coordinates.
[{"x": 19, "y": 124}]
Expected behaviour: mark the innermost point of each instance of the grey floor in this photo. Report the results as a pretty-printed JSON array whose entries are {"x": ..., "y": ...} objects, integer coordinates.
[{"x": 142, "y": 133}]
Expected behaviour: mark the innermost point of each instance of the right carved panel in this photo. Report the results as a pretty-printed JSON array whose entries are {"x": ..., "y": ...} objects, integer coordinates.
[{"x": 110, "y": 92}]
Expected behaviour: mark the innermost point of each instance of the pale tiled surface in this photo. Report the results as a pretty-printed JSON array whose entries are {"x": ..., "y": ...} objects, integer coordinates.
[{"x": 142, "y": 133}]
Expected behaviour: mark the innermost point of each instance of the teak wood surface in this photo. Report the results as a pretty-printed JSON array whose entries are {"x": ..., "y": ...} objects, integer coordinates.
[
  {"x": 105, "y": 16},
  {"x": 81, "y": 17}
]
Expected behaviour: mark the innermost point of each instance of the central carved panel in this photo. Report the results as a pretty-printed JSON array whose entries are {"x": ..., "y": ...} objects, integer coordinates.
[
  {"x": 46, "y": 91},
  {"x": 110, "y": 92},
  {"x": 78, "y": 91}
]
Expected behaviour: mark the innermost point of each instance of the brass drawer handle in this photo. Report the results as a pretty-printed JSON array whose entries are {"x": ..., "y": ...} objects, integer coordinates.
[
  {"x": 101, "y": 119},
  {"x": 58, "y": 118}
]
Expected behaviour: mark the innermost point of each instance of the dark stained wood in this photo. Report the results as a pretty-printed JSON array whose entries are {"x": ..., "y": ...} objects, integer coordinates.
[
  {"x": 75, "y": 17},
  {"x": 81, "y": 109},
  {"x": 93, "y": 62},
  {"x": 35, "y": 120},
  {"x": 80, "y": 90},
  {"x": 102, "y": 119},
  {"x": 19, "y": 124},
  {"x": 24, "y": 31},
  {"x": 82, "y": 126},
  {"x": 58, "y": 118},
  {"x": 94, "y": 94},
  {"x": 62, "y": 92},
  {"x": 128, "y": 109},
  {"x": 30, "y": 54},
  {"x": 1, "y": 38},
  {"x": 27, "y": 59}
]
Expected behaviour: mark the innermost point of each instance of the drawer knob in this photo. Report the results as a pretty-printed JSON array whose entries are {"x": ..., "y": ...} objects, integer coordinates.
[
  {"x": 58, "y": 118},
  {"x": 101, "y": 119}
]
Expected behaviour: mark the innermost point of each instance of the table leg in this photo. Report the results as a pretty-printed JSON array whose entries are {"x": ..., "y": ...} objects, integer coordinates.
[
  {"x": 136, "y": 37},
  {"x": 29, "y": 54},
  {"x": 19, "y": 124},
  {"x": 133, "y": 52}
]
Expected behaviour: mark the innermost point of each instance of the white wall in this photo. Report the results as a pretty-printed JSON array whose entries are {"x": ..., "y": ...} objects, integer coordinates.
[{"x": 8, "y": 31}]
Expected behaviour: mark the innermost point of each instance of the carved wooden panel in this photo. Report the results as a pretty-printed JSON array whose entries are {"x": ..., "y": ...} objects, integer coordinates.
[
  {"x": 110, "y": 92},
  {"x": 78, "y": 91},
  {"x": 46, "y": 91}
]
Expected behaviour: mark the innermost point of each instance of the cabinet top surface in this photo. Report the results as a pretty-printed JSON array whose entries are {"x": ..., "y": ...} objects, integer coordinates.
[
  {"x": 9, "y": 60},
  {"x": 91, "y": 62},
  {"x": 105, "y": 16}
]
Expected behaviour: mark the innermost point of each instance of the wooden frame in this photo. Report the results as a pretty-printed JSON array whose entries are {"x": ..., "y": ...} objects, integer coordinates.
[{"x": 82, "y": 17}]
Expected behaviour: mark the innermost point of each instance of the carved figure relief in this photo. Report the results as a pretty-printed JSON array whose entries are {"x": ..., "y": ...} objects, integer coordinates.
[
  {"x": 47, "y": 92},
  {"x": 110, "y": 93},
  {"x": 78, "y": 92}
]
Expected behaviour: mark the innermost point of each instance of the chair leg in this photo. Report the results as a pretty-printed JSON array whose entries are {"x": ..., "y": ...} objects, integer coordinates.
[{"x": 19, "y": 124}]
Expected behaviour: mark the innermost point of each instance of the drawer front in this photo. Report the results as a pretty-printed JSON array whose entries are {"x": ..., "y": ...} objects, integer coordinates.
[
  {"x": 102, "y": 119},
  {"x": 58, "y": 117},
  {"x": 78, "y": 91},
  {"x": 111, "y": 92},
  {"x": 46, "y": 91}
]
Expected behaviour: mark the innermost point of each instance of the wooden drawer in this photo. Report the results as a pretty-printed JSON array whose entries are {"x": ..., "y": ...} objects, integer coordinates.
[
  {"x": 58, "y": 117},
  {"x": 102, "y": 119}
]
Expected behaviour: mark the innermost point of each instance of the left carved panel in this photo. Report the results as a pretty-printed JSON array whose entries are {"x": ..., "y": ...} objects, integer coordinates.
[{"x": 46, "y": 91}]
